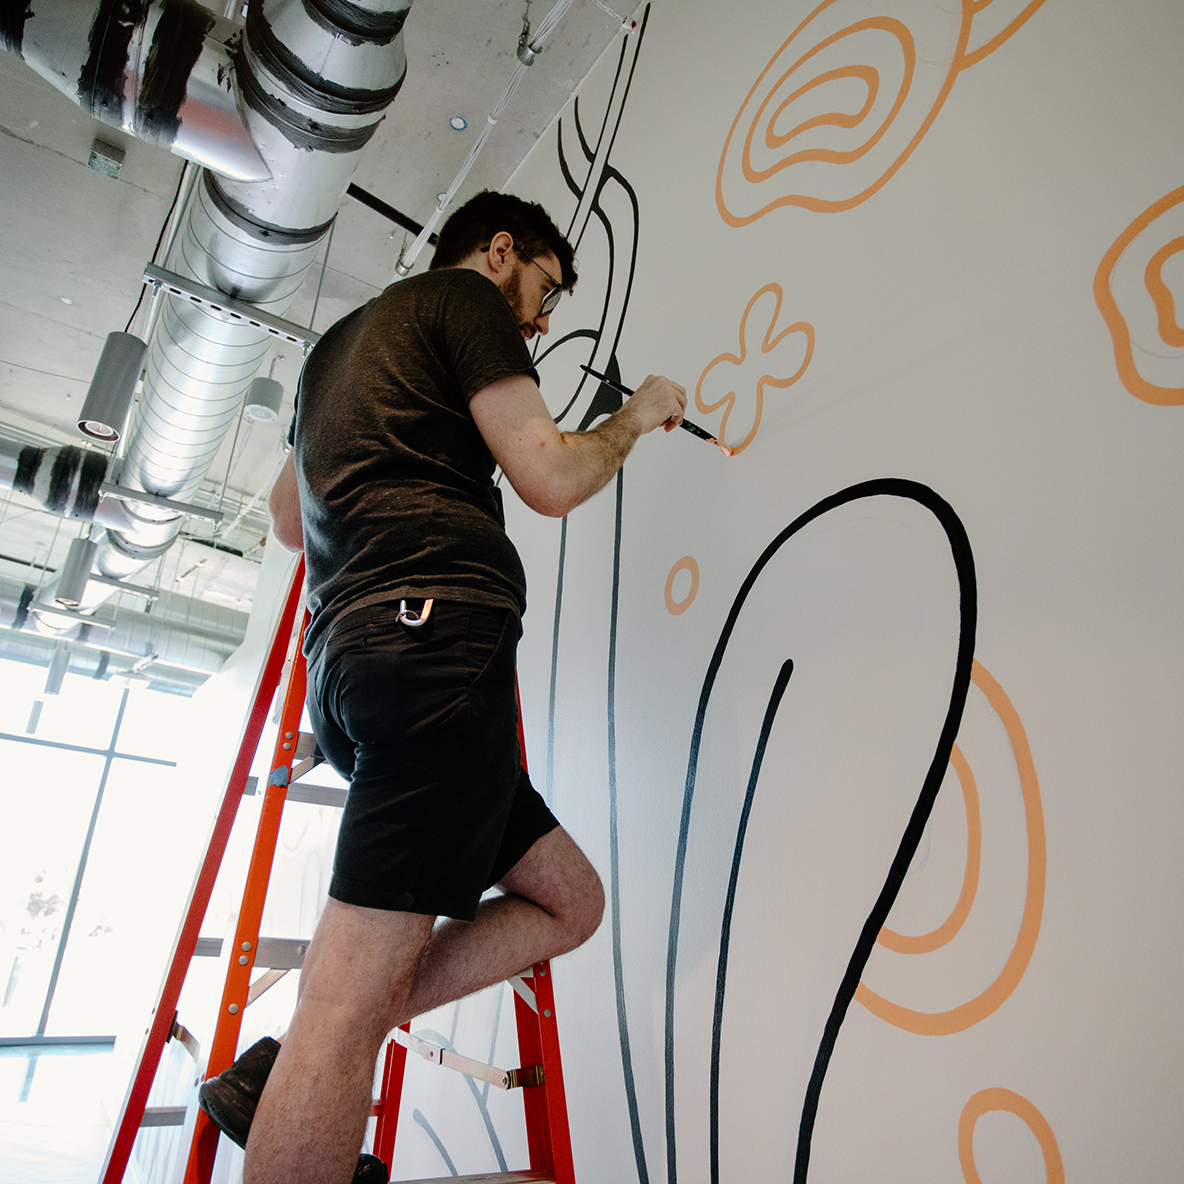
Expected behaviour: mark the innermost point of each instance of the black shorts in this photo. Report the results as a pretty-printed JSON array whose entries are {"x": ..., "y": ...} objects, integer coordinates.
[{"x": 424, "y": 725}]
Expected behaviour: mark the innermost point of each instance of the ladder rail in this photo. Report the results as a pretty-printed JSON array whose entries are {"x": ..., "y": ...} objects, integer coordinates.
[
  {"x": 245, "y": 949},
  {"x": 544, "y": 1105},
  {"x": 135, "y": 1101}
]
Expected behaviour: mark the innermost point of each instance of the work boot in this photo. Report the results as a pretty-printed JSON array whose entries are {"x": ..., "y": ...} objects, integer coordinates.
[
  {"x": 370, "y": 1170},
  {"x": 231, "y": 1097}
]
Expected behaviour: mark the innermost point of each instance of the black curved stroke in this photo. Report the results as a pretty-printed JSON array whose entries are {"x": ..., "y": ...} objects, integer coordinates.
[
  {"x": 964, "y": 566},
  {"x": 721, "y": 974},
  {"x": 597, "y": 406}
]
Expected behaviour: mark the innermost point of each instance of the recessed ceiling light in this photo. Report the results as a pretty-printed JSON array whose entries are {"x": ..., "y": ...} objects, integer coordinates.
[
  {"x": 65, "y": 300},
  {"x": 458, "y": 123}
]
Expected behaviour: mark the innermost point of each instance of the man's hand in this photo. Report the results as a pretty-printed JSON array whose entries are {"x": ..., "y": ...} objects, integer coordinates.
[
  {"x": 658, "y": 402},
  {"x": 554, "y": 471}
]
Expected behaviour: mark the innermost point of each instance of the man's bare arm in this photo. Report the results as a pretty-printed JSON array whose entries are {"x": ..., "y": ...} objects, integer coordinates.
[
  {"x": 554, "y": 471},
  {"x": 284, "y": 505}
]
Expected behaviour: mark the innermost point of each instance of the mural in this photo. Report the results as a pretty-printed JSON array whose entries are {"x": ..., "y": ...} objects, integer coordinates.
[{"x": 866, "y": 727}]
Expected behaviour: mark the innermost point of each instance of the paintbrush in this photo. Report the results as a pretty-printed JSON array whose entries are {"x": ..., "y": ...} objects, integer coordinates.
[{"x": 686, "y": 424}]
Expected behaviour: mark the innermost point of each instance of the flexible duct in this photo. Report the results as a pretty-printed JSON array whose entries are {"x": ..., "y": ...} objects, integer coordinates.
[{"x": 310, "y": 80}]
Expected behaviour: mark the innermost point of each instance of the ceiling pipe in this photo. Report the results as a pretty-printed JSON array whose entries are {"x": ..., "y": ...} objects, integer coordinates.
[
  {"x": 158, "y": 71},
  {"x": 179, "y": 632},
  {"x": 309, "y": 81}
]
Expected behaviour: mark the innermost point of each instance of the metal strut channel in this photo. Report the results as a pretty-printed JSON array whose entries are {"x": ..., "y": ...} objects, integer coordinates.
[{"x": 229, "y": 308}]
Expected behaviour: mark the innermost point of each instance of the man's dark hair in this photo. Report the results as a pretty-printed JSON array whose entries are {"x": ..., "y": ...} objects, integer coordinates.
[{"x": 473, "y": 226}]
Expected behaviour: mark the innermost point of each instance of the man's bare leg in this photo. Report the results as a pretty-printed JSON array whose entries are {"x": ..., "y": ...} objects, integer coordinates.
[
  {"x": 368, "y": 971},
  {"x": 553, "y": 903},
  {"x": 310, "y": 1122}
]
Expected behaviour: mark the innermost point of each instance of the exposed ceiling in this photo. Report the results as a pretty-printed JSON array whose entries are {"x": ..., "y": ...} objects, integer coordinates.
[{"x": 73, "y": 244}]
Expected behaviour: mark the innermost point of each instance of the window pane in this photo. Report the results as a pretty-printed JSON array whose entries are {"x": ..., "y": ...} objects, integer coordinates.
[
  {"x": 132, "y": 896},
  {"x": 46, "y": 796},
  {"x": 156, "y": 724},
  {"x": 84, "y": 713}
]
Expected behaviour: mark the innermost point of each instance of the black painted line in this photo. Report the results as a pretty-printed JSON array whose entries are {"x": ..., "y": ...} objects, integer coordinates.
[
  {"x": 725, "y": 935},
  {"x": 555, "y": 663},
  {"x": 964, "y": 565},
  {"x": 420, "y": 1121},
  {"x": 614, "y": 856},
  {"x": 434, "y": 1037}
]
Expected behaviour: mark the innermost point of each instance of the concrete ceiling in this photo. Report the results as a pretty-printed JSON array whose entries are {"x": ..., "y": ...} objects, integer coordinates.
[{"x": 73, "y": 244}]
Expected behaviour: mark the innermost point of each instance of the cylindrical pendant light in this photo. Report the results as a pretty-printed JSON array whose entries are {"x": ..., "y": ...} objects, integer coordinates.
[
  {"x": 112, "y": 388},
  {"x": 75, "y": 572},
  {"x": 58, "y": 665},
  {"x": 264, "y": 397}
]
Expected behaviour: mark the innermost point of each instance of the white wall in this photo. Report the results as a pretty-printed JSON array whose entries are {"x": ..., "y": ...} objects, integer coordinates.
[{"x": 937, "y": 265}]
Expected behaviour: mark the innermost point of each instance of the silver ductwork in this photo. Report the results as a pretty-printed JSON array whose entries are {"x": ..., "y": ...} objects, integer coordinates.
[
  {"x": 159, "y": 71},
  {"x": 305, "y": 84},
  {"x": 178, "y": 643}
]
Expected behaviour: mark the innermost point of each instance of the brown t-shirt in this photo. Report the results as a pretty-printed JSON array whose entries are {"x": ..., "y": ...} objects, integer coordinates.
[{"x": 396, "y": 482}]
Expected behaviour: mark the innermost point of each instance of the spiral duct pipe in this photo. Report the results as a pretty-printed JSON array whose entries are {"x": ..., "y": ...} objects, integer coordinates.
[{"x": 278, "y": 113}]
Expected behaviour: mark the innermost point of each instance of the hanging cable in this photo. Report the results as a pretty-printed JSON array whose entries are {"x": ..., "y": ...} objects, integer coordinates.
[
  {"x": 159, "y": 239},
  {"x": 324, "y": 264}
]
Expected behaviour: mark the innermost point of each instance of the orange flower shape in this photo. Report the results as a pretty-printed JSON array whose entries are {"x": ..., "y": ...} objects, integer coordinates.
[
  {"x": 1138, "y": 306},
  {"x": 847, "y": 97},
  {"x": 772, "y": 353}
]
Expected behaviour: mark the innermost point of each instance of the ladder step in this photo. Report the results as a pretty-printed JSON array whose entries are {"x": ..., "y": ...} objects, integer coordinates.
[
  {"x": 163, "y": 1116},
  {"x": 317, "y": 795}
]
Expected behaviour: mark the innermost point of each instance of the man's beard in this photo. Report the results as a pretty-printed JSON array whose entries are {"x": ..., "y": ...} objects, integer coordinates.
[{"x": 511, "y": 289}]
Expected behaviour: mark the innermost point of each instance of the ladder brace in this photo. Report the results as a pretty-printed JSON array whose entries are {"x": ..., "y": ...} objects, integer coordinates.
[{"x": 501, "y": 1078}]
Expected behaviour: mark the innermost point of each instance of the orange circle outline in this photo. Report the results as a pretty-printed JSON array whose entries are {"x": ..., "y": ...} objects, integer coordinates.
[
  {"x": 1007, "y": 1100},
  {"x": 677, "y": 607},
  {"x": 958, "y": 1019},
  {"x": 1165, "y": 304},
  {"x": 1120, "y": 334},
  {"x": 963, "y": 59},
  {"x": 926, "y": 943},
  {"x": 821, "y": 205},
  {"x": 909, "y": 53}
]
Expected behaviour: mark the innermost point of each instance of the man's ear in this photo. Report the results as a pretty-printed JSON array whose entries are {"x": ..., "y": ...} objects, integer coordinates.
[{"x": 500, "y": 253}]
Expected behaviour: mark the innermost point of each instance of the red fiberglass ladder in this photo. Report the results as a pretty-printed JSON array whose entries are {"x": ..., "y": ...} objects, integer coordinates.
[{"x": 541, "y": 1078}]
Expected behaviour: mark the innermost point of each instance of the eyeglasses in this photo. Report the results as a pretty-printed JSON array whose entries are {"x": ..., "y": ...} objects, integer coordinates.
[{"x": 551, "y": 299}]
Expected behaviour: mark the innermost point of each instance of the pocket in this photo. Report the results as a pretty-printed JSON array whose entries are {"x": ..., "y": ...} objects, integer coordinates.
[{"x": 490, "y": 633}]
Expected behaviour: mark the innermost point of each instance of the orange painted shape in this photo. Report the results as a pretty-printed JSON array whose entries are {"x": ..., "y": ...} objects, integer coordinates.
[
  {"x": 823, "y": 205},
  {"x": 677, "y": 607},
  {"x": 958, "y": 1019},
  {"x": 965, "y": 60},
  {"x": 908, "y": 52},
  {"x": 868, "y": 75},
  {"x": 1165, "y": 304},
  {"x": 768, "y": 344},
  {"x": 1007, "y": 1100},
  {"x": 945, "y": 933},
  {"x": 1120, "y": 332}
]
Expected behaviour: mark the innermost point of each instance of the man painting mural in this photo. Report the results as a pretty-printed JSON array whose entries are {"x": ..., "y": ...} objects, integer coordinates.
[{"x": 405, "y": 408}]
